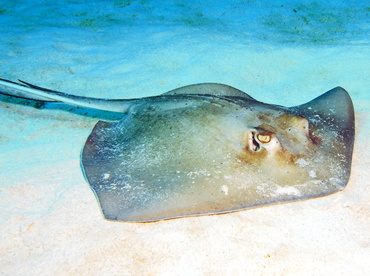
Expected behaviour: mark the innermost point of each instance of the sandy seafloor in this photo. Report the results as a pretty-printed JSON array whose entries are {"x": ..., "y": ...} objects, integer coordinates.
[{"x": 282, "y": 52}]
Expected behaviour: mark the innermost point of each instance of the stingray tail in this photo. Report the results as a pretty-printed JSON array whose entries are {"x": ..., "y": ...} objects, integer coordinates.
[{"x": 32, "y": 92}]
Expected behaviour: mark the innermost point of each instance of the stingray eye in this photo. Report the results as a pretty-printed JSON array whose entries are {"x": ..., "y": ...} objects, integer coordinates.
[
  {"x": 260, "y": 139},
  {"x": 264, "y": 137}
]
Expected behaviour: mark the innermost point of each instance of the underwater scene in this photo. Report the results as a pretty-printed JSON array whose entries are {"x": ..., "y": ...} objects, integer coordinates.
[{"x": 245, "y": 112}]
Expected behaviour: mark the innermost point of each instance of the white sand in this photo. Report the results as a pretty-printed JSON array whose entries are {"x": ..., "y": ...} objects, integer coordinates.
[{"x": 285, "y": 53}]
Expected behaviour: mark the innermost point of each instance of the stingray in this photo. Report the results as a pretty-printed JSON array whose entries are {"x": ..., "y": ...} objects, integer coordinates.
[{"x": 208, "y": 149}]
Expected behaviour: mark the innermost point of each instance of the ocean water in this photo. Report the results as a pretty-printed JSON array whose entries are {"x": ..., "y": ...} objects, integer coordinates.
[{"x": 280, "y": 52}]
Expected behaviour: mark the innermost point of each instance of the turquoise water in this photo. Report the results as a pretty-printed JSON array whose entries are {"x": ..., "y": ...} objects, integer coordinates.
[{"x": 140, "y": 48}]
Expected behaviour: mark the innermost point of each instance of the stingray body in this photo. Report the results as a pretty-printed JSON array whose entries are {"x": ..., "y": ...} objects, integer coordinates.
[{"x": 209, "y": 149}]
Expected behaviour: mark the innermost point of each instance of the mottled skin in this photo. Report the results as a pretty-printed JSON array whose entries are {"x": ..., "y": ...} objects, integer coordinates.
[{"x": 208, "y": 149}]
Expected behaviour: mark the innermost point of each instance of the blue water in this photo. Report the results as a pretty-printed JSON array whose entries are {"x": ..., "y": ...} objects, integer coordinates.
[{"x": 140, "y": 48}]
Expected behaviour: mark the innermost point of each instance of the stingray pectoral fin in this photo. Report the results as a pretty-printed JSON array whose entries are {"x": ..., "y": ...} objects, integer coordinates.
[
  {"x": 216, "y": 89},
  {"x": 332, "y": 111},
  {"x": 335, "y": 105},
  {"x": 160, "y": 163},
  {"x": 332, "y": 126}
]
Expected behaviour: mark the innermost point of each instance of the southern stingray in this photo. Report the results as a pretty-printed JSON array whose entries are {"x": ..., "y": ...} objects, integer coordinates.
[{"x": 209, "y": 149}]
